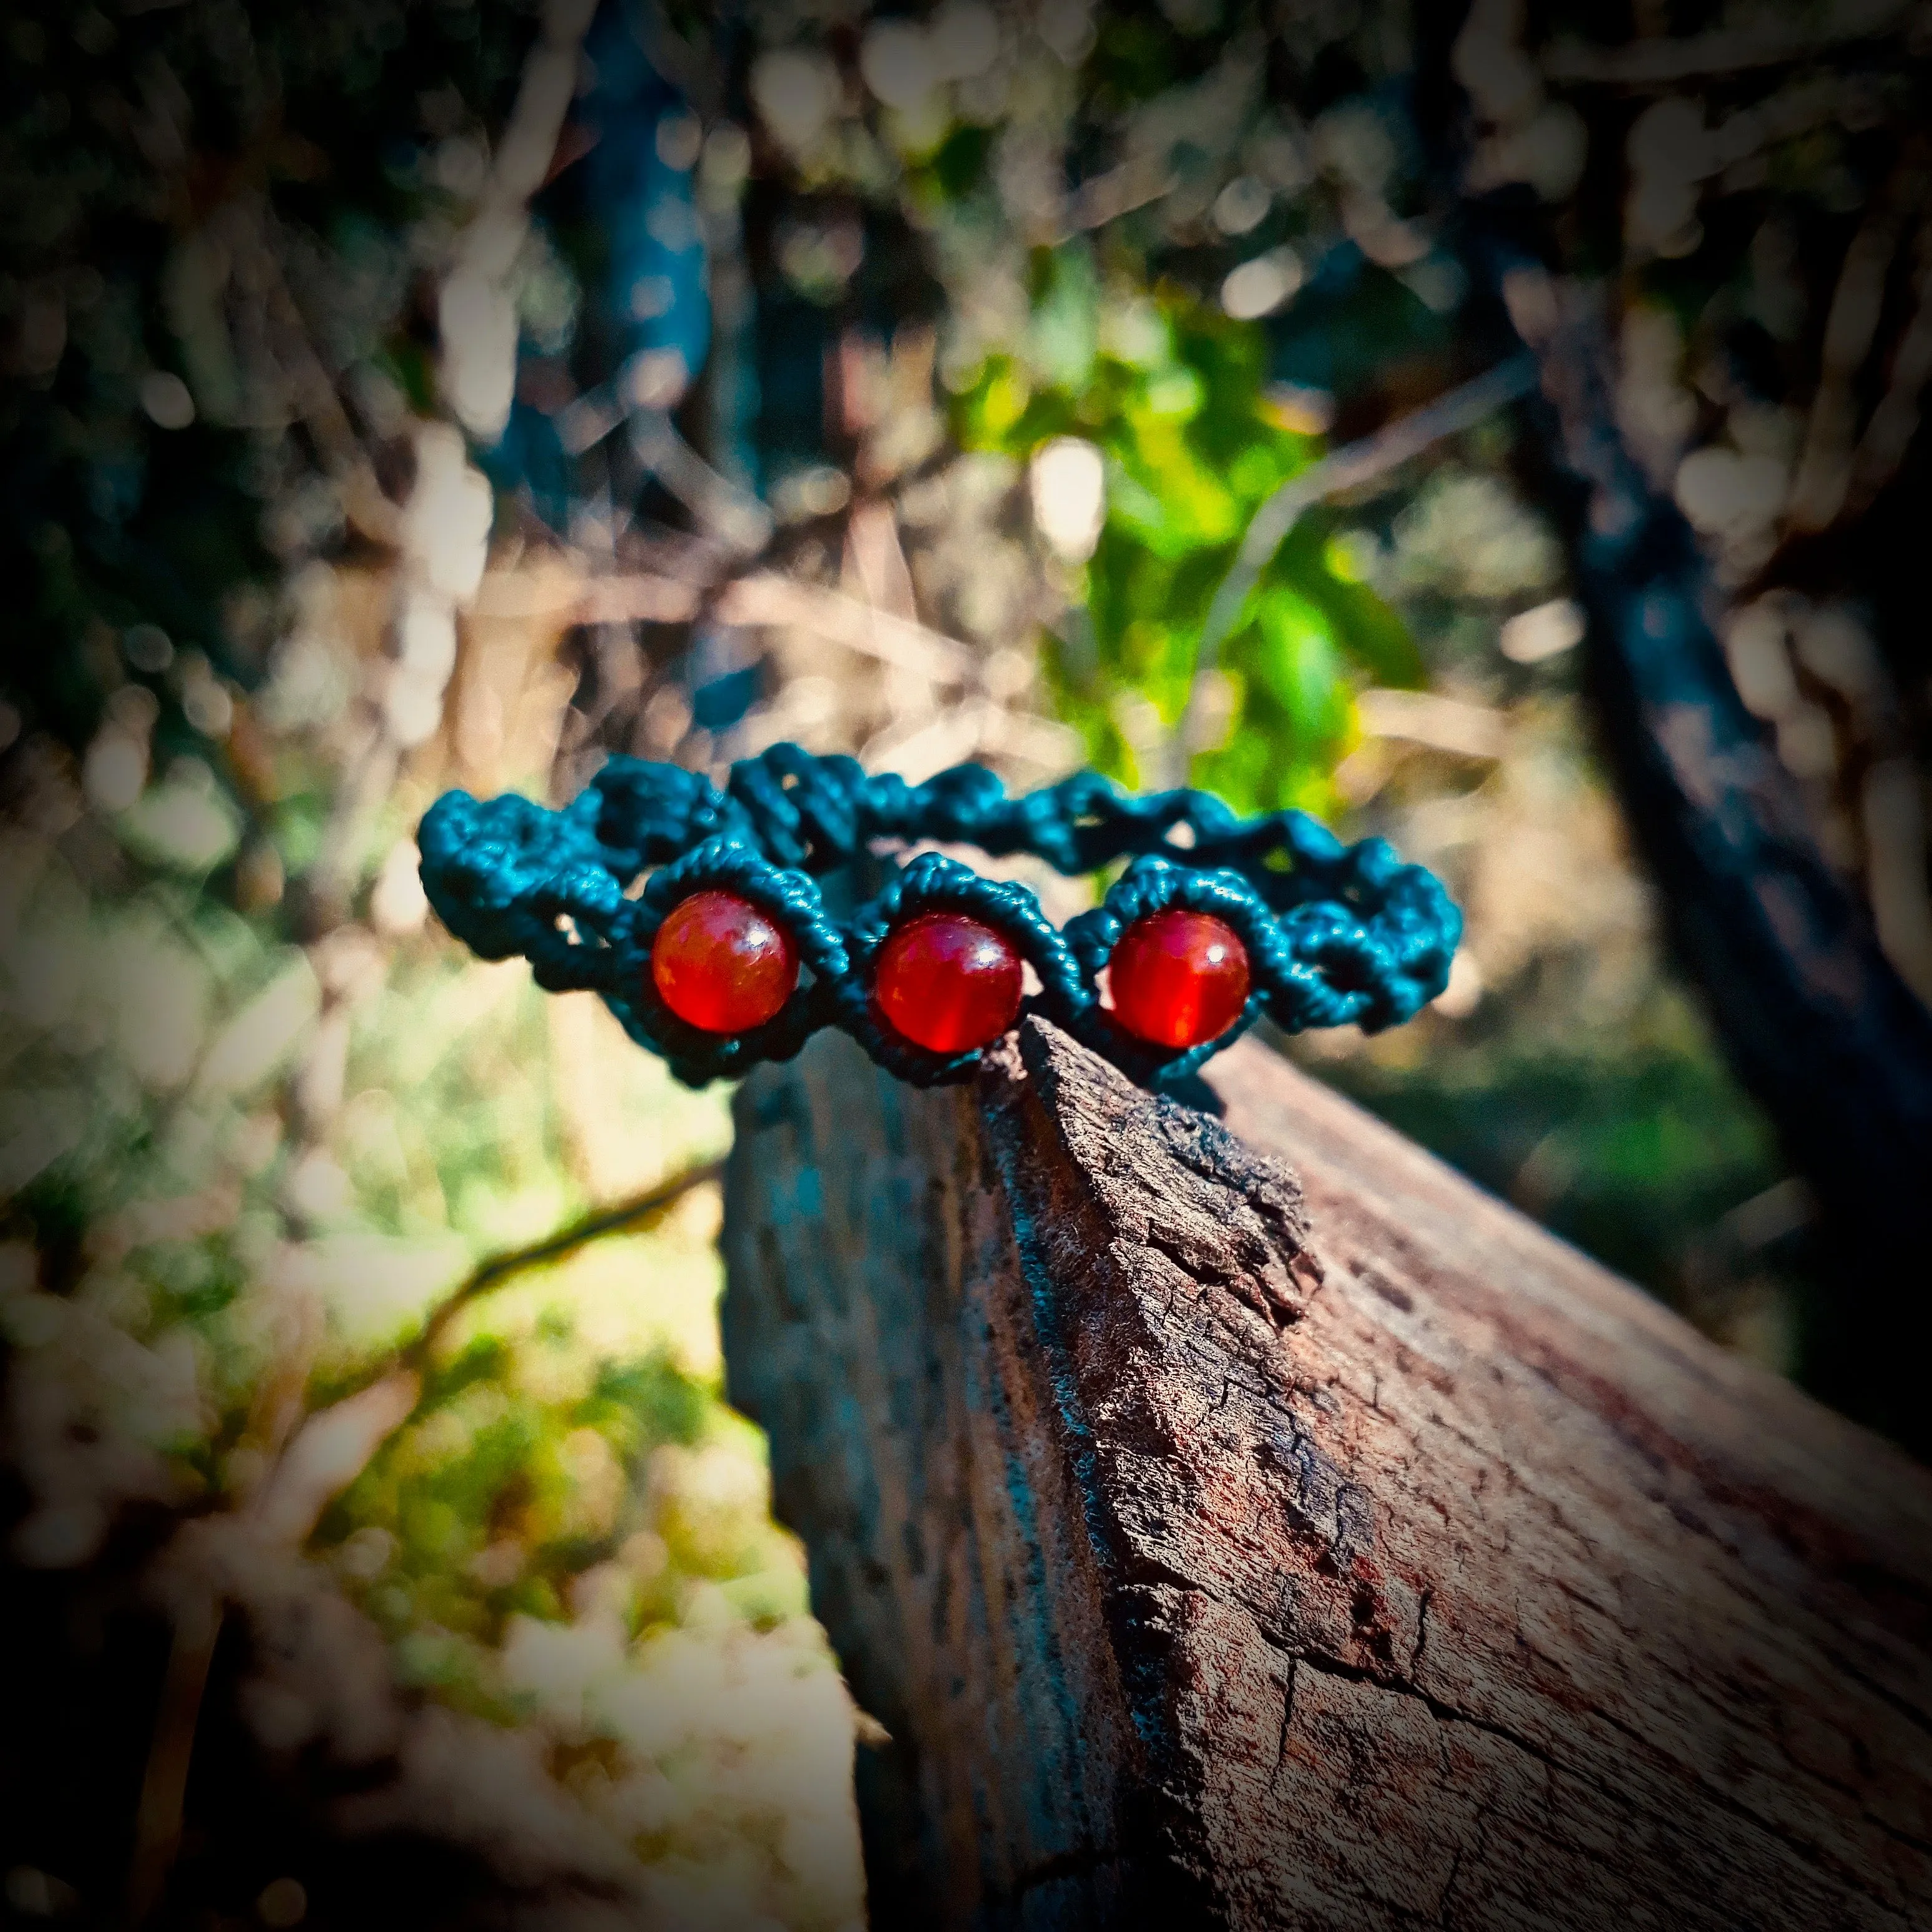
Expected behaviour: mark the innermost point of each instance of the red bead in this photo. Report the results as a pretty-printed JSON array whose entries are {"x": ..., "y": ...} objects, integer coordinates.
[
  {"x": 948, "y": 982},
  {"x": 721, "y": 964},
  {"x": 1178, "y": 978}
]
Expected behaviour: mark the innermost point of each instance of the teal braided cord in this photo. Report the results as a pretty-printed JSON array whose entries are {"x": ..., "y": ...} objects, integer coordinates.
[{"x": 1334, "y": 933}]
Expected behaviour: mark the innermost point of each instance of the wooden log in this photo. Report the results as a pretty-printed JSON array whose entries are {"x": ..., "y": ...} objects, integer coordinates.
[{"x": 1444, "y": 1579}]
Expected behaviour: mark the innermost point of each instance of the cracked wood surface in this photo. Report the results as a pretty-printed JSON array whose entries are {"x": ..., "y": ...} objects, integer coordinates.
[{"x": 1259, "y": 1525}]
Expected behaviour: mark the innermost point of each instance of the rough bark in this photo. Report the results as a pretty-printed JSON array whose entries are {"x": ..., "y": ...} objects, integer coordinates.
[{"x": 1444, "y": 1578}]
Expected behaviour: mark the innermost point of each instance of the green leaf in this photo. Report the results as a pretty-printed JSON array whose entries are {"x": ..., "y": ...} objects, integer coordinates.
[
  {"x": 1296, "y": 716},
  {"x": 1192, "y": 451},
  {"x": 1371, "y": 634},
  {"x": 1294, "y": 659}
]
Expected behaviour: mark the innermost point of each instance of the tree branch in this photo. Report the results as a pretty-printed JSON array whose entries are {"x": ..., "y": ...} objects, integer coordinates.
[
  {"x": 1651, "y": 63},
  {"x": 637, "y": 1214},
  {"x": 157, "y": 1818},
  {"x": 1818, "y": 1023}
]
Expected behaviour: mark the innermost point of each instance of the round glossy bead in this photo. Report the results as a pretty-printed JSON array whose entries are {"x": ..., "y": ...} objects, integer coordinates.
[
  {"x": 948, "y": 982},
  {"x": 721, "y": 964},
  {"x": 1178, "y": 978}
]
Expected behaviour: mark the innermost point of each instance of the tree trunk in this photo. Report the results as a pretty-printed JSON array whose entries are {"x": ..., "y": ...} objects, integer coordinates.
[
  {"x": 1443, "y": 1579},
  {"x": 1815, "y": 1019}
]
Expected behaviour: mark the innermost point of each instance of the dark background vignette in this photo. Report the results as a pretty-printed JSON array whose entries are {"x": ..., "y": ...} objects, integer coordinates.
[{"x": 384, "y": 384}]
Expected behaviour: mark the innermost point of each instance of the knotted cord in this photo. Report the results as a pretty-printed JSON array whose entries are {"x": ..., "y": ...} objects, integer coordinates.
[{"x": 1334, "y": 933}]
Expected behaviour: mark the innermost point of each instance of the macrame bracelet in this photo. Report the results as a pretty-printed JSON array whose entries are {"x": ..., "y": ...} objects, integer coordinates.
[{"x": 1217, "y": 921}]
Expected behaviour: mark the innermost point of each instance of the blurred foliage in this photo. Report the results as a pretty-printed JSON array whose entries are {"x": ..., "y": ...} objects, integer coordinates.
[
  {"x": 567, "y": 1462},
  {"x": 1176, "y": 401}
]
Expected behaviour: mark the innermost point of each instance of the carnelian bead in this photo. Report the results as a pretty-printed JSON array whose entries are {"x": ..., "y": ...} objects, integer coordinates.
[
  {"x": 948, "y": 982},
  {"x": 1178, "y": 978},
  {"x": 720, "y": 964}
]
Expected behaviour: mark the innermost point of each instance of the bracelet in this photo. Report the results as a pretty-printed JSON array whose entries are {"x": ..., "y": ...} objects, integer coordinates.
[{"x": 1217, "y": 921}]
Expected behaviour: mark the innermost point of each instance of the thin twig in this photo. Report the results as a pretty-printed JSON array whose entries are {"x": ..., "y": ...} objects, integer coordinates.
[
  {"x": 1343, "y": 469},
  {"x": 1442, "y": 724},
  {"x": 488, "y": 246},
  {"x": 1851, "y": 324},
  {"x": 1888, "y": 434},
  {"x": 770, "y": 598},
  {"x": 1106, "y": 197},
  {"x": 764, "y": 598},
  {"x": 732, "y": 514},
  {"x": 157, "y": 1818},
  {"x": 1664, "y": 63},
  {"x": 498, "y": 1269}
]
